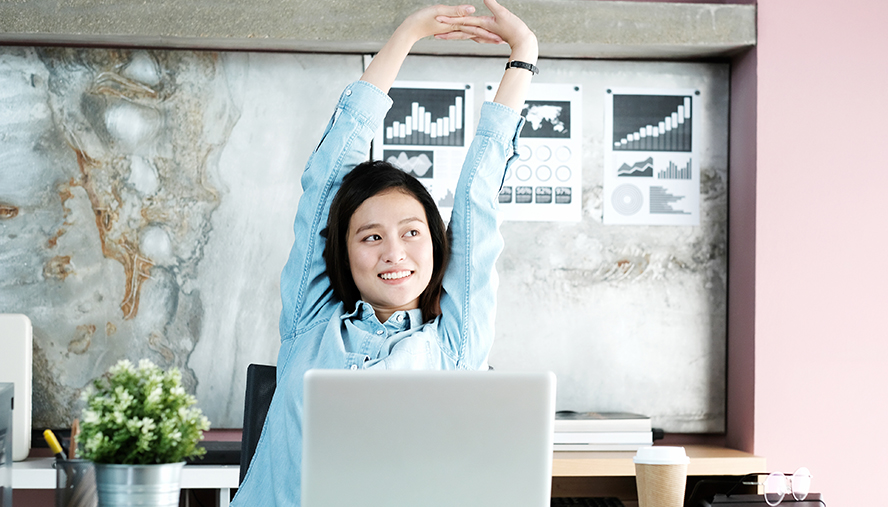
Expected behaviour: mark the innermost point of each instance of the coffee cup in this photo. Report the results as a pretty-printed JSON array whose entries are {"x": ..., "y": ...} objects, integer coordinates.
[{"x": 660, "y": 476}]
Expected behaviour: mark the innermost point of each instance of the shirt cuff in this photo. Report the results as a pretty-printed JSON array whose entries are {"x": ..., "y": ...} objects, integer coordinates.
[
  {"x": 366, "y": 102},
  {"x": 500, "y": 122}
]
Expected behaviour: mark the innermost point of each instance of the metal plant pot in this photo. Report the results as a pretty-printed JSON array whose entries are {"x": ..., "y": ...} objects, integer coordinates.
[{"x": 142, "y": 485}]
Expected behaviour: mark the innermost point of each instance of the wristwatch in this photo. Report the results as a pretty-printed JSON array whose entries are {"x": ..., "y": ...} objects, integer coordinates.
[{"x": 522, "y": 65}]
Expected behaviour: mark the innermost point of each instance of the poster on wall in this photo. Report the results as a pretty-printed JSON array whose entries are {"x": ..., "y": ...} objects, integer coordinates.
[
  {"x": 545, "y": 183},
  {"x": 426, "y": 133},
  {"x": 651, "y": 157}
]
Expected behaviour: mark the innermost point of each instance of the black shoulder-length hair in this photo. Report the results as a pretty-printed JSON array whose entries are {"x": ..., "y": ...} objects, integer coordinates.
[{"x": 363, "y": 182}]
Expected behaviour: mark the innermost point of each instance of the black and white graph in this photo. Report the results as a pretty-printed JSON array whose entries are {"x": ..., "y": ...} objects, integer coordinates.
[
  {"x": 644, "y": 168},
  {"x": 673, "y": 172},
  {"x": 419, "y": 163},
  {"x": 652, "y": 123},
  {"x": 426, "y": 117},
  {"x": 661, "y": 202},
  {"x": 651, "y": 157},
  {"x": 426, "y": 133}
]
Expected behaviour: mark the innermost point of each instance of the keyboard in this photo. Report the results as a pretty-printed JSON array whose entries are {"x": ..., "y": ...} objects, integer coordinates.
[{"x": 587, "y": 502}]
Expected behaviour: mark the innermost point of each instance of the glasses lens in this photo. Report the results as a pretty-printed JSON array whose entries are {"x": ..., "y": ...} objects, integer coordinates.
[
  {"x": 801, "y": 483},
  {"x": 775, "y": 488}
]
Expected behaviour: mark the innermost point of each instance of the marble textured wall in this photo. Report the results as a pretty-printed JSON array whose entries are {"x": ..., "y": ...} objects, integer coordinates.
[
  {"x": 146, "y": 203},
  {"x": 147, "y": 199}
]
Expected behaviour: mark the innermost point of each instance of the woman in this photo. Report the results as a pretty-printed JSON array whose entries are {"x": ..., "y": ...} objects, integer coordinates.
[{"x": 370, "y": 282}]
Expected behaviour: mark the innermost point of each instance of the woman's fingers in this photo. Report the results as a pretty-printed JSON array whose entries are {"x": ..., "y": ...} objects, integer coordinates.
[
  {"x": 502, "y": 26},
  {"x": 457, "y": 21},
  {"x": 476, "y": 34},
  {"x": 457, "y": 11},
  {"x": 476, "y": 28}
]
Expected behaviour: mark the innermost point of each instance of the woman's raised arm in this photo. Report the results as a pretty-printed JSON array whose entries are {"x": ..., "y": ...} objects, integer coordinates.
[
  {"x": 384, "y": 68},
  {"x": 512, "y": 31}
]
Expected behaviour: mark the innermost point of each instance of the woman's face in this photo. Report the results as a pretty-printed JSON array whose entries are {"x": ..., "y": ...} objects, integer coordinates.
[{"x": 390, "y": 252}]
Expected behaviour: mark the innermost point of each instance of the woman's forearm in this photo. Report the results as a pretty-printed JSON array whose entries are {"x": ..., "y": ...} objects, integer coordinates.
[{"x": 516, "y": 81}]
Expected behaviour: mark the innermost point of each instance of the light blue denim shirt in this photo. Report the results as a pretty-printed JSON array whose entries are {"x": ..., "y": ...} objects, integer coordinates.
[{"x": 318, "y": 332}]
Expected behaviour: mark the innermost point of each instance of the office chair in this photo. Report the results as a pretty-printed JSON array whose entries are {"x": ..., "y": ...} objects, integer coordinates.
[{"x": 261, "y": 383}]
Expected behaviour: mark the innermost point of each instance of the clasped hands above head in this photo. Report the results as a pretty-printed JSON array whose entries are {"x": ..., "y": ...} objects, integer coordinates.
[{"x": 459, "y": 22}]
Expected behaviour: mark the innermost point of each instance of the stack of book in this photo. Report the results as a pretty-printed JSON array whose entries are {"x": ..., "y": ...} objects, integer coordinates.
[{"x": 602, "y": 431}]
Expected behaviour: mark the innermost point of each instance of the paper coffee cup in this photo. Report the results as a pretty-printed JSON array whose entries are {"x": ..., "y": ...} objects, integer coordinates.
[{"x": 660, "y": 476}]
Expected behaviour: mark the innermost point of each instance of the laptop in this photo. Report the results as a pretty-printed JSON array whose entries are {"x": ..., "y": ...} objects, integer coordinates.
[{"x": 427, "y": 438}]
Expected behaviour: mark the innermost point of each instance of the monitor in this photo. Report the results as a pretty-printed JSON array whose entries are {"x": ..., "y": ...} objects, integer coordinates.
[{"x": 15, "y": 366}]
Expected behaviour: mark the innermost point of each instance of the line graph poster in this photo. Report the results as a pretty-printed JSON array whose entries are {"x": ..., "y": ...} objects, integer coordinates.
[
  {"x": 545, "y": 183},
  {"x": 426, "y": 133},
  {"x": 651, "y": 162}
]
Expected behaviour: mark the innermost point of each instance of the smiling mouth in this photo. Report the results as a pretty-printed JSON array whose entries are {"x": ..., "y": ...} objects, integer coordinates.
[{"x": 396, "y": 275}]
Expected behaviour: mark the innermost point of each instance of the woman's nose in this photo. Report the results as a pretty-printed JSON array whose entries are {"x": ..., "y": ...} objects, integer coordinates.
[{"x": 395, "y": 252}]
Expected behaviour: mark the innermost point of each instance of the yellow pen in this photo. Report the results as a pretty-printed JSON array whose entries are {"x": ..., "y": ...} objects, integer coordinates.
[{"x": 54, "y": 444}]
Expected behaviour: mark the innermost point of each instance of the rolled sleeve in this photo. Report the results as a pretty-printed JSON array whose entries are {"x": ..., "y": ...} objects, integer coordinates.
[
  {"x": 468, "y": 306},
  {"x": 305, "y": 288}
]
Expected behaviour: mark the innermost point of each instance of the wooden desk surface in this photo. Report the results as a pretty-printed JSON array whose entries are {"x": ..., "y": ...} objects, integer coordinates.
[
  {"x": 37, "y": 473},
  {"x": 705, "y": 460}
]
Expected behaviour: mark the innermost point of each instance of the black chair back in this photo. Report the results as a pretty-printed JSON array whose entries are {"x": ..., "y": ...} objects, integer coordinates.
[{"x": 261, "y": 383}]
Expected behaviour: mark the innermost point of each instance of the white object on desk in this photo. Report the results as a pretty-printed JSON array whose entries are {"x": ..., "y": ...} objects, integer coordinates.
[
  {"x": 38, "y": 473},
  {"x": 15, "y": 366}
]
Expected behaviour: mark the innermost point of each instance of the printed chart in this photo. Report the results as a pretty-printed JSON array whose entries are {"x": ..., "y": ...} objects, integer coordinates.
[
  {"x": 545, "y": 182},
  {"x": 651, "y": 167},
  {"x": 426, "y": 134}
]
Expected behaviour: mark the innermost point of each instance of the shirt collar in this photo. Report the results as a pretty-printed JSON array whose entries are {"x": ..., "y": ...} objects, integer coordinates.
[{"x": 409, "y": 319}]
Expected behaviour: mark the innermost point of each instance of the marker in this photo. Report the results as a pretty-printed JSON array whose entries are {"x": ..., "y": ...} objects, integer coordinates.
[{"x": 54, "y": 445}]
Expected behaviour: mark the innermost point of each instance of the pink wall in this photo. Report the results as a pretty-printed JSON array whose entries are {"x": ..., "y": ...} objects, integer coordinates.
[{"x": 821, "y": 339}]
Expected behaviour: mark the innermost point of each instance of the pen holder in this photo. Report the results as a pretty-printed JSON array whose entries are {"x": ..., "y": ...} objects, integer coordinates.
[{"x": 75, "y": 483}]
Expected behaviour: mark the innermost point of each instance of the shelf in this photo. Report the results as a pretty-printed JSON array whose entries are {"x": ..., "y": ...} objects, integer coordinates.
[
  {"x": 705, "y": 461},
  {"x": 565, "y": 29}
]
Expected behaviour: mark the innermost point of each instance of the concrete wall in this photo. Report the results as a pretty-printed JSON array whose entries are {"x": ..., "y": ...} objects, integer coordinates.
[{"x": 566, "y": 28}]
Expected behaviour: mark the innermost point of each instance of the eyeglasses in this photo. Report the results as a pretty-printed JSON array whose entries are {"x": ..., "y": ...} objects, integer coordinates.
[{"x": 777, "y": 485}]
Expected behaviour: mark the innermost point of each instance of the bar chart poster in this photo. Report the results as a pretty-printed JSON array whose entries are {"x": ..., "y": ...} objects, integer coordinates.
[
  {"x": 651, "y": 162},
  {"x": 544, "y": 184},
  {"x": 426, "y": 133}
]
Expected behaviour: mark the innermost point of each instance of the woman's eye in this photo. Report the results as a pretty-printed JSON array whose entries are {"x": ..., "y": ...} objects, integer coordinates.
[
  {"x": 412, "y": 233},
  {"x": 373, "y": 237}
]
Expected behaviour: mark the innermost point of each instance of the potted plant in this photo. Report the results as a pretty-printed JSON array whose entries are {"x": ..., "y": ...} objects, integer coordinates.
[{"x": 138, "y": 427}]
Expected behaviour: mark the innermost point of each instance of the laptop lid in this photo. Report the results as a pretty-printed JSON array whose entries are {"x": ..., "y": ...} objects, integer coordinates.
[{"x": 427, "y": 438}]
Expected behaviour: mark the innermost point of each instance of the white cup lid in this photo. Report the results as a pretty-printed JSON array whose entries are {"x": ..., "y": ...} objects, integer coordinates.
[{"x": 661, "y": 455}]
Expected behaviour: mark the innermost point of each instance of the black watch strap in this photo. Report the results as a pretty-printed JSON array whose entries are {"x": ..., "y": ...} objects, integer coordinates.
[{"x": 522, "y": 65}]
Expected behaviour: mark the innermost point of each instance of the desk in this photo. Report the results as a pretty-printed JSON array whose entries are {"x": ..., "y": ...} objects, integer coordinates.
[
  {"x": 581, "y": 474},
  {"x": 38, "y": 473},
  {"x": 573, "y": 473}
]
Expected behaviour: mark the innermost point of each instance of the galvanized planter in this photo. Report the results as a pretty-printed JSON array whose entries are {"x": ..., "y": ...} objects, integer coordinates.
[{"x": 142, "y": 485}]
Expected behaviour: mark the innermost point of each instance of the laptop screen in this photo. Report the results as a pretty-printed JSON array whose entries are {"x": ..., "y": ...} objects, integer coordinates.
[{"x": 427, "y": 438}]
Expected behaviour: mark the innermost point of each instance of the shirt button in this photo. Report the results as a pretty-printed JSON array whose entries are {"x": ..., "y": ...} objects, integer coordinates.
[
  {"x": 400, "y": 318},
  {"x": 348, "y": 92},
  {"x": 354, "y": 367},
  {"x": 380, "y": 332}
]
